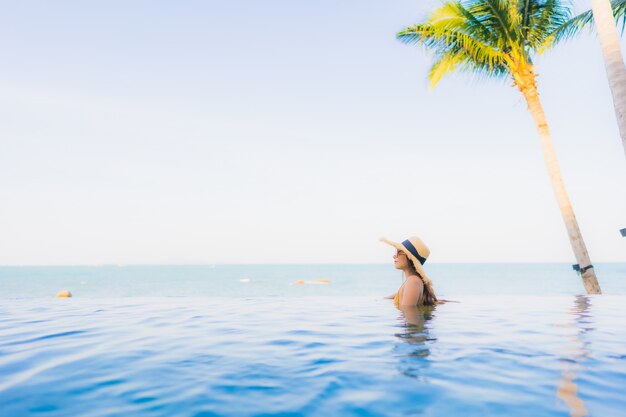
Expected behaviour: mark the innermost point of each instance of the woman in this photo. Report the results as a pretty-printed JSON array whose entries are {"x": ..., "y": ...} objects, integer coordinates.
[{"x": 417, "y": 288}]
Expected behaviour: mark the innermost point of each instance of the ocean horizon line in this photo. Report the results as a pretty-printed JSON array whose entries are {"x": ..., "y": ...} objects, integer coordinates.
[{"x": 216, "y": 264}]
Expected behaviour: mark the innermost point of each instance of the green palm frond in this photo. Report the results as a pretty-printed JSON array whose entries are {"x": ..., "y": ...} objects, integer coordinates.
[
  {"x": 486, "y": 37},
  {"x": 514, "y": 17},
  {"x": 461, "y": 61},
  {"x": 619, "y": 11},
  {"x": 445, "y": 65},
  {"x": 548, "y": 18},
  {"x": 574, "y": 25},
  {"x": 451, "y": 40},
  {"x": 500, "y": 11},
  {"x": 454, "y": 50},
  {"x": 494, "y": 37},
  {"x": 474, "y": 24}
]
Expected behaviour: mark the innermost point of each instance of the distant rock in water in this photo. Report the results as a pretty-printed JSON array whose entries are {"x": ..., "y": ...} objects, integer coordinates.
[
  {"x": 319, "y": 281},
  {"x": 64, "y": 294}
]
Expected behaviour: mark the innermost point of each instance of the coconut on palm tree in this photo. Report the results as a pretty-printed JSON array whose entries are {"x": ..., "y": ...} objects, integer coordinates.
[{"x": 499, "y": 38}]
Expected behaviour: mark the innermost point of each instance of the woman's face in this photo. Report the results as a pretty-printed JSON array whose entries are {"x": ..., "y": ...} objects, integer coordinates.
[{"x": 400, "y": 261}]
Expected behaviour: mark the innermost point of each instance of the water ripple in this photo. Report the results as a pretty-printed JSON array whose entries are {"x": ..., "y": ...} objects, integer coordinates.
[{"x": 353, "y": 356}]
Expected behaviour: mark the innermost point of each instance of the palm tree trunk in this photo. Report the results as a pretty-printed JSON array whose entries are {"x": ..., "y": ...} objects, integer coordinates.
[
  {"x": 613, "y": 60},
  {"x": 528, "y": 87}
]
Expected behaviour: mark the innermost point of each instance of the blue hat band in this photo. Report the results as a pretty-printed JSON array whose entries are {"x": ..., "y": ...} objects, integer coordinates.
[{"x": 409, "y": 246}]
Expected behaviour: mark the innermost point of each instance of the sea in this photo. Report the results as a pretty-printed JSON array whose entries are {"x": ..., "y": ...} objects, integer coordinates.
[{"x": 310, "y": 340}]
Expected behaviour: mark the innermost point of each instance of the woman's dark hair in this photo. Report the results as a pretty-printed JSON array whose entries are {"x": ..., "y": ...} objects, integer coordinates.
[{"x": 430, "y": 299}]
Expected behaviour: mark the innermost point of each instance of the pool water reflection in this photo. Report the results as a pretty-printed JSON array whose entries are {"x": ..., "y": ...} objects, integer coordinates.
[{"x": 520, "y": 356}]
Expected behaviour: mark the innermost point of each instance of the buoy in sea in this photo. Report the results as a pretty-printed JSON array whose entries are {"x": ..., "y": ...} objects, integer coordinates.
[{"x": 64, "y": 294}]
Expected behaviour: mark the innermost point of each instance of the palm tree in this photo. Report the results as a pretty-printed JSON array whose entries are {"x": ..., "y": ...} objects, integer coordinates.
[
  {"x": 498, "y": 38},
  {"x": 613, "y": 60},
  {"x": 603, "y": 13}
]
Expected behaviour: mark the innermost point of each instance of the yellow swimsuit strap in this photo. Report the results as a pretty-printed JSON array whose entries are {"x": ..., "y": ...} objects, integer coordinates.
[{"x": 396, "y": 298}]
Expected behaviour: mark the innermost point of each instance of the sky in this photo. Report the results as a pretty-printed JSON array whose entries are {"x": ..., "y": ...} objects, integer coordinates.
[{"x": 285, "y": 131}]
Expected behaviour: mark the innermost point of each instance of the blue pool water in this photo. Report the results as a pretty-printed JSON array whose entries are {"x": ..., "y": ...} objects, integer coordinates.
[{"x": 185, "y": 341}]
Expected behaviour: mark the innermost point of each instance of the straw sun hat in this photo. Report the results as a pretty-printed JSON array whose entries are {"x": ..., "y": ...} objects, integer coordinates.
[{"x": 417, "y": 251}]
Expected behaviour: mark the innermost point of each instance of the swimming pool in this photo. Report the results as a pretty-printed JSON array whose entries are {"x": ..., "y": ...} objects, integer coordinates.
[{"x": 553, "y": 355}]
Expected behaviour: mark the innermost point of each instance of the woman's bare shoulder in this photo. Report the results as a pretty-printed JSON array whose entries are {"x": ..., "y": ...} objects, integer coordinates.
[
  {"x": 414, "y": 282},
  {"x": 415, "y": 279}
]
